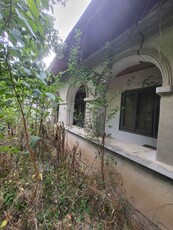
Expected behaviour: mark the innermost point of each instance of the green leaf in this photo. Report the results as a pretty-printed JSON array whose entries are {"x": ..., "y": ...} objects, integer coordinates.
[
  {"x": 27, "y": 71},
  {"x": 33, "y": 25},
  {"x": 50, "y": 95},
  {"x": 37, "y": 92},
  {"x": 26, "y": 84},
  {"x": 8, "y": 102},
  {"x": 42, "y": 77},
  {"x": 40, "y": 29},
  {"x": 45, "y": 4},
  {"x": 38, "y": 2},
  {"x": 33, "y": 141},
  {"x": 25, "y": 21},
  {"x": 37, "y": 27},
  {"x": 17, "y": 35},
  {"x": 33, "y": 8}
]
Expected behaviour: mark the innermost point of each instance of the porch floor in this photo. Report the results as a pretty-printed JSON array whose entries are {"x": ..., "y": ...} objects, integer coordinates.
[{"x": 142, "y": 155}]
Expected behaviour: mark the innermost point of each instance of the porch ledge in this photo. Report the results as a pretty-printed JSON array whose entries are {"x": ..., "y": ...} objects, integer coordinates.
[{"x": 141, "y": 155}]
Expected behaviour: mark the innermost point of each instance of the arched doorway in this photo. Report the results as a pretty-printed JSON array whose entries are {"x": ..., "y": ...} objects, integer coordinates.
[{"x": 79, "y": 107}]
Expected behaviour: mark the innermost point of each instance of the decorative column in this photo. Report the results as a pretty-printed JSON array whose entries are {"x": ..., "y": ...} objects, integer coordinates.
[
  {"x": 165, "y": 134},
  {"x": 88, "y": 112},
  {"x": 66, "y": 113},
  {"x": 94, "y": 119}
]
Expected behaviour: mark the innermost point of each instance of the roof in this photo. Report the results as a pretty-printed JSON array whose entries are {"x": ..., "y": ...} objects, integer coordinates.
[{"x": 102, "y": 21}]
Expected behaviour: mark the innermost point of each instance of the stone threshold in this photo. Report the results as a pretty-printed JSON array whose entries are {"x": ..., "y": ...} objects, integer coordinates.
[{"x": 141, "y": 155}]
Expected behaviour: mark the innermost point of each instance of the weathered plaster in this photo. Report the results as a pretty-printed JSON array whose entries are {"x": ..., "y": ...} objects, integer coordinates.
[{"x": 144, "y": 187}]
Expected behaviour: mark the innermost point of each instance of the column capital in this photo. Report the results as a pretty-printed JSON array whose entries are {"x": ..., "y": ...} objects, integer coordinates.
[
  {"x": 88, "y": 99},
  {"x": 63, "y": 103},
  {"x": 167, "y": 89}
]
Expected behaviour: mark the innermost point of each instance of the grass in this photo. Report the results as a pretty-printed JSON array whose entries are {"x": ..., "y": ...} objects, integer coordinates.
[{"x": 63, "y": 198}]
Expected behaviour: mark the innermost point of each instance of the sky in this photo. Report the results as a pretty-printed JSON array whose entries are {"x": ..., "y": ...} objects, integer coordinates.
[{"x": 66, "y": 18}]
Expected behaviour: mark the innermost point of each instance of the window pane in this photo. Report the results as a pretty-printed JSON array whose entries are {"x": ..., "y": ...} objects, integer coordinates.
[
  {"x": 145, "y": 112},
  {"x": 129, "y": 111},
  {"x": 141, "y": 111}
]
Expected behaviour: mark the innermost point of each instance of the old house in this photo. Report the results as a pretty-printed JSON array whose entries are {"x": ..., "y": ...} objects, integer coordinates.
[{"x": 141, "y": 135}]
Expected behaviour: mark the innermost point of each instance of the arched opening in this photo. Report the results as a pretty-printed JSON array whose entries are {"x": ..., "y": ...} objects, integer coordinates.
[
  {"x": 152, "y": 56},
  {"x": 79, "y": 107},
  {"x": 138, "y": 117},
  {"x": 140, "y": 106}
]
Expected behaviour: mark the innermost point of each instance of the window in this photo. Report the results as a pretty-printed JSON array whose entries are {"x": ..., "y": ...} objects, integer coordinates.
[
  {"x": 140, "y": 111},
  {"x": 79, "y": 107}
]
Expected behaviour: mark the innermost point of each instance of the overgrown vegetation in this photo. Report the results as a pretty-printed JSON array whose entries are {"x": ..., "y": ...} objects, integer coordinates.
[
  {"x": 65, "y": 197},
  {"x": 26, "y": 36}
]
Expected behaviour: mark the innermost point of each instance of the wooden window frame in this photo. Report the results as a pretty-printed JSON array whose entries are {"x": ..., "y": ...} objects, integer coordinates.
[{"x": 155, "y": 111}]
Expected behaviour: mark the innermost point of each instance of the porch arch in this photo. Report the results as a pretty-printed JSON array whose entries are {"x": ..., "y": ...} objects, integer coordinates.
[
  {"x": 70, "y": 99},
  {"x": 72, "y": 90},
  {"x": 155, "y": 57}
]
